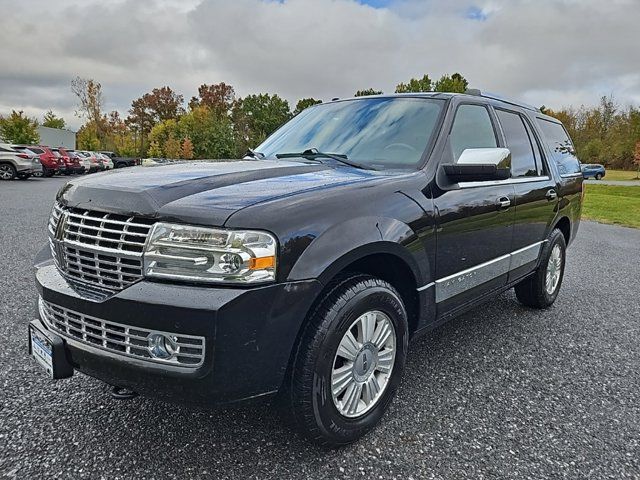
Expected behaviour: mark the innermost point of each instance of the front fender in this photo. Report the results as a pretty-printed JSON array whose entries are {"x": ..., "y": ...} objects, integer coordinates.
[{"x": 346, "y": 242}]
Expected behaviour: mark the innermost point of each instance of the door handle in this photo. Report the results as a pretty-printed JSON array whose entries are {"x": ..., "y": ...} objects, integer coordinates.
[
  {"x": 504, "y": 202},
  {"x": 551, "y": 194}
]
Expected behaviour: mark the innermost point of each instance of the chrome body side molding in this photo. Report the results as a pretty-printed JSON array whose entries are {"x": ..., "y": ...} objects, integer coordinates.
[{"x": 460, "y": 282}]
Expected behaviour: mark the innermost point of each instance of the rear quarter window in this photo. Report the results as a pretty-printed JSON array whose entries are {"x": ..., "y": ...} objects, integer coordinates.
[{"x": 562, "y": 150}]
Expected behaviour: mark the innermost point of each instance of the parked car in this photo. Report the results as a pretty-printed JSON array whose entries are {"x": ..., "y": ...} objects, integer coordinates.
[
  {"x": 71, "y": 164},
  {"x": 593, "y": 171},
  {"x": 304, "y": 269},
  {"x": 94, "y": 164},
  {"x": 17, "y": 164},
  {"x": 81, "y": 165},
  {"x": 50, "y": 163},
  {"x": 121, "y": 162},
  {"x": 105, "y": 160}
]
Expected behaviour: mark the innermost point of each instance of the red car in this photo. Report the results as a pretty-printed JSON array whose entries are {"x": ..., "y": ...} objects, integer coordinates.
[
  {"x": 71, "y": 162},
  {"x": 50, "y": 163}
]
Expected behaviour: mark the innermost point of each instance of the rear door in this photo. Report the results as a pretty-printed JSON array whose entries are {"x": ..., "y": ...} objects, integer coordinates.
[
  {"x": 536, "y": 197},
  {"x": 474, "y": 221}
]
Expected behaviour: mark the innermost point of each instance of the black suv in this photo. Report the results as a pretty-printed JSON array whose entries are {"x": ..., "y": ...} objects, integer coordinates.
[{"x": 304, "y": 269}]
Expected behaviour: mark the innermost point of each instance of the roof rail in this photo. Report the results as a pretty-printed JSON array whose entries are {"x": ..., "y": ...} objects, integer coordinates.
[{"x": 494, "y": 96}]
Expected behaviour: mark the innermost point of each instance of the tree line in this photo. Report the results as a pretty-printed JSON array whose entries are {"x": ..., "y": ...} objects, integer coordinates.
[
  {"x": 217, "y": 123},
  {"x": 607, "y": 134}
]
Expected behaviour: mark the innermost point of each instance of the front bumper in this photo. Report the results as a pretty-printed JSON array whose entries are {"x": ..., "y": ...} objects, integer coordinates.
[{"x": 249, "y": 334}]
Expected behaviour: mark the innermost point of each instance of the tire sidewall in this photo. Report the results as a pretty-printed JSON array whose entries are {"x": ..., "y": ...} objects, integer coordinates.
[
  {"x": 556, "y": 238},
  {"x": 328, "y": 418}
]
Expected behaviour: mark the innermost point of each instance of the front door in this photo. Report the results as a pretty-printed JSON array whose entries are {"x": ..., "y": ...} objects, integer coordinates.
[{"x": 474, "y": 222}]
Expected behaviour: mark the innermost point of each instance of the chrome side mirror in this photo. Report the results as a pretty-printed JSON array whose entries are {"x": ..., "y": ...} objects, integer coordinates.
[{"x": 480, "y": 164}]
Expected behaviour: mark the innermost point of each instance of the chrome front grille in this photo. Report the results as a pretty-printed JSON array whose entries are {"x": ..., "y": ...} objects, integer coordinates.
[
  {"x": 118, "y": 338},
  {"x": 98, "y": 248}
]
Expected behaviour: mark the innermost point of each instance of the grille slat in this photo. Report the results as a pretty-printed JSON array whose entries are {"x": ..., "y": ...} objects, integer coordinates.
[
  {"x": 118, "y": 338},
  {"x": 99, "y": 248}
]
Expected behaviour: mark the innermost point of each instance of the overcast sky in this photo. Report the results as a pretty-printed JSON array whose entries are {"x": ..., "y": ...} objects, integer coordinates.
[{"x": 551, "y": 52}]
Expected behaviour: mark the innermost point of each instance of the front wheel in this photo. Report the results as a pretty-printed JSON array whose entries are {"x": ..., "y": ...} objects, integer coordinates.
[
  {"x": 598, "y": 176},
  {"x": 541, "y": 289},
  {"x": 350, "y": 361}
]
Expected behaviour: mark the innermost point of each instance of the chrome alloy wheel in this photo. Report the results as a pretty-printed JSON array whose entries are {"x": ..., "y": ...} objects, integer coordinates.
[
  {"x": 363, "y": 364},
  {"x": 554, "y": 270}
]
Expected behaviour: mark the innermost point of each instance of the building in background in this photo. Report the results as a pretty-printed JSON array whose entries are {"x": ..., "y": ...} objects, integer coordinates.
[{"x": 57, "y": 137}]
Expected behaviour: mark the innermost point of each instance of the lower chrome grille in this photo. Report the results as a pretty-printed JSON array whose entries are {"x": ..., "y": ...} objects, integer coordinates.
[{"x": 119, "y": 338}]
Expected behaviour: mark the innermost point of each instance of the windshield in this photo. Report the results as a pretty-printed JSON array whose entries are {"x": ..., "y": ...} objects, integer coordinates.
[{"x": 378, "y": 132}]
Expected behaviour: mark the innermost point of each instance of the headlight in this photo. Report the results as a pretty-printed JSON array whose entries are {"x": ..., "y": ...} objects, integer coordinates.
[{"x": 213, "y": 255}]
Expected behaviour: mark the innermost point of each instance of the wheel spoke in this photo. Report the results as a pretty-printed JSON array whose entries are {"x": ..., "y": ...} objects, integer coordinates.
[
  {"x": 367, "y": 327},
  {"x": 352, "y": 398},
  {"x": 382, "y": 334},
  {"x": 349, "y": 347},
  {"x": 371, "y": 389},
  {"x": 385, "y": 360},
  {"x": 341, "y": 378}
]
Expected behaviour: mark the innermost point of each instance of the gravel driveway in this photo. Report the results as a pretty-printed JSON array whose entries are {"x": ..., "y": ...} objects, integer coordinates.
[{"x": 502, "y": 392}]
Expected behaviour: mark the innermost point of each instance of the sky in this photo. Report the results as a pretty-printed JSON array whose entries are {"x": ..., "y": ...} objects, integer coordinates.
[{"x": 544, "y": 52}]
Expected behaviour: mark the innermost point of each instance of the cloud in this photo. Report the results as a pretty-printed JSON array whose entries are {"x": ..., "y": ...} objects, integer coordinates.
[{"x": 552, "y": 52}]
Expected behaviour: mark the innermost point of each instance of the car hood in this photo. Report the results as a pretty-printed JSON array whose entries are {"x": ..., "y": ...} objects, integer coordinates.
[{"x": 202, "y": 192}]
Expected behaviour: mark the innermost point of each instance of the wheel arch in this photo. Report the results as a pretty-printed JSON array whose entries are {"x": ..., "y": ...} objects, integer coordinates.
[{"x": 564, "y": 225}]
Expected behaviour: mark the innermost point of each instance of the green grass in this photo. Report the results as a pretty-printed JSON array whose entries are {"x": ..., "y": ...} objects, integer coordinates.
[
  {"x": 621, "y": 175},
  {"x": 612, "y": 204}
]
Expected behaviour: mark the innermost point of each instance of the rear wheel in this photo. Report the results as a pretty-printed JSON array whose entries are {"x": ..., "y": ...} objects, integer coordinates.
[
  {"x": 541, "y": 289},
  {"x": 49, "y": 173},
  {"x": 7, "y": 171},
  {"x": 350, "y": 361}
]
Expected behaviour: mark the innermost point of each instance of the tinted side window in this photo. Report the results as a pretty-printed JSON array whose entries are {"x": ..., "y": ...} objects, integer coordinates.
[
  {"x": 472, "y": 128},
  {"x": 563, "y": 152},
  {"x": 542, "y": 170},
  {"x": 523, "y": 162}
]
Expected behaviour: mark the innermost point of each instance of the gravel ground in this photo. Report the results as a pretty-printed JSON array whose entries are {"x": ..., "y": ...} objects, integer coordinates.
[{"x": 502, "y": 392}]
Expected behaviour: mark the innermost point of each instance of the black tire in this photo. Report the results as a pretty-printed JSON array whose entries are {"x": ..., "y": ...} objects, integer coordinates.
[
  {"x": 532, "y": 292},
  {"x": 598, "y": 176},
  {"x": 24, "y": 176},
  {"x": 49, "y": 173},
  {"x": 308, "y": 389},
  {"x": 7, "y": 171}
]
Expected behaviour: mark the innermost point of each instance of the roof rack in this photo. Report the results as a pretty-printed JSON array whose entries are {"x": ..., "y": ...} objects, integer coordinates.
[{"x": 494, "y": 96}]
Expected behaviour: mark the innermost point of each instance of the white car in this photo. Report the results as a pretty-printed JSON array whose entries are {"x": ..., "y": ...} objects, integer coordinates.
[
  {"x": 15, "y": 164},
  {"x": 105, "y": 159}
]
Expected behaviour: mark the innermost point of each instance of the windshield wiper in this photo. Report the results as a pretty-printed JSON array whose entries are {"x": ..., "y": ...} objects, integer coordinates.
[
  {"x": 314, "y": 154},
  {"x": 253, "y": 154}
]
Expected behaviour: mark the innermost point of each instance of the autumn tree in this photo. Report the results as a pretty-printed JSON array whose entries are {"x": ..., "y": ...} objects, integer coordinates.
[
  {"x": 414, "y": 85},
  {"x": 172, "y": 148},
  {"x": 187, "y": 149},
  {"x": 51, "y": 120},
  {"x": 154, "y": 150},
  {"x": 18, "y": 128},
  {"x": 367, "y": 92},
  {"x": 636, "y": 158},
  {"x": 151, "y": 108},
  {"x": 218, "y": 97},
  {"x": 305, "y": 103},
  {"x": 90, "y": 102}
]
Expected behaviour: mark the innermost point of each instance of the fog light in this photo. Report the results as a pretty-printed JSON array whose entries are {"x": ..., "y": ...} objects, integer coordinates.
[{"x": 162, "y": 346}]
